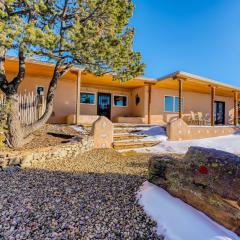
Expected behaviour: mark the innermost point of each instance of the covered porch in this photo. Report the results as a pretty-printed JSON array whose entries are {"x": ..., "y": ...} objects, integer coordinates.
[
  {"x": 127, "y": 102},
  {"x": 213, "y": 104}
]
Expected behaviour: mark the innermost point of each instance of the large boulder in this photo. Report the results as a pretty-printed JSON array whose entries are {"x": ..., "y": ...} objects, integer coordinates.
[{"x": 207, "y": 179}]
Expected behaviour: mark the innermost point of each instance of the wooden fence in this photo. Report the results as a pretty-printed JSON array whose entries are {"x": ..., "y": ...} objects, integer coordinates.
[{"x": 31, "y": 107}]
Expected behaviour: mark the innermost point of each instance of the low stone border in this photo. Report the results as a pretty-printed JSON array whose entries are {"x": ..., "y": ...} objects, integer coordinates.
[
  {"x": 178, "y": 130},
  {"x": 25, "y": 158}
]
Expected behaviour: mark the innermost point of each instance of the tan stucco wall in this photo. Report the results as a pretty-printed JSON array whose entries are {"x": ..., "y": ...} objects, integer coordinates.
[
  {"x": 178, "y": 130},
  {"x": 116, "y": 111},
  {"x": 139, "y": 110},
  {"x": 65, "y": 95},
  {"x": 65, "y": 100}
]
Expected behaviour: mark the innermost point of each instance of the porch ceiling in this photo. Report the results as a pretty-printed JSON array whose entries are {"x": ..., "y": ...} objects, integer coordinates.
[
  {"x": 89, "y": 79},
  {"x": 194, "y": 83},
  {"x": 46, "y": 69}
]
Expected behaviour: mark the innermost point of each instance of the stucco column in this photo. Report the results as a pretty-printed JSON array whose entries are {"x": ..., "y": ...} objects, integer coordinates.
[
  {"x": 235, "y": 108},
  {"x": 213, "y": 93},
  {"x": 78, "y": 97},
  {"x": 180, "y": 98}
]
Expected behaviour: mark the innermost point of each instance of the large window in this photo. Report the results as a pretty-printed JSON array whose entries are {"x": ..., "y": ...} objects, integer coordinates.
[
  {"x": 87, "y": 98},
  {"x": 171, "y": 104},
  {"x": 120, "y": 101}
]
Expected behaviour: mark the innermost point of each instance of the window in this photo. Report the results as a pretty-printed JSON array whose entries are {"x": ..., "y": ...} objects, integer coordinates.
[
  {"x": 171, "y": 104},
  {"x": 40, "y": 90},
  {"x": 87, "y": 98},
  {"x": 120, "y": 101}
]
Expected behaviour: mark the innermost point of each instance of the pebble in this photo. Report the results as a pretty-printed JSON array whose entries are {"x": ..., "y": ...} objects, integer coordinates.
[{"x": 91, "y": 196}]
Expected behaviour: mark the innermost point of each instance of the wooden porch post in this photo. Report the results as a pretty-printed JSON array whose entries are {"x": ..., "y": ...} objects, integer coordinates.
[
  {"x": 180, "y": 98},
  {"x": 213, "y": 93},
  {"x": 149, "y": 102},
  {"x": 149, "y": 84},
  {"x": 235, "y": 108},
  {"x": 78, "y": 97}
]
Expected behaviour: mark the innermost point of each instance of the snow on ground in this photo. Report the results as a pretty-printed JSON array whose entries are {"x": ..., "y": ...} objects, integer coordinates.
[
  {"x": 78, "y": 128},
  {"x": 178, "y": 221},
  {"x": 228, "y": 143},
  {"x": 154, "y": 133}
]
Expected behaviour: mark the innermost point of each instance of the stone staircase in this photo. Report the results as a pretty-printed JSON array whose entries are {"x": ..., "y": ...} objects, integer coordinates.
[{"x": 126, "y": 137}]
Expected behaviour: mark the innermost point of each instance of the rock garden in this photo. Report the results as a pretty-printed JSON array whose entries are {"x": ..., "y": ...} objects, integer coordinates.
[{"x": 91, "y": 196}]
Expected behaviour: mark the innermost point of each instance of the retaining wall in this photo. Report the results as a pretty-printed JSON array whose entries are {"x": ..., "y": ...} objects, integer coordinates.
[
  {"x": 178, "y": 130},
  {"x": 24, "y": 159}
]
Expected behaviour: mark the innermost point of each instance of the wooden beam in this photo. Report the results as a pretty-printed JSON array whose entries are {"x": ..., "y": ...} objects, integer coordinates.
[
  {"x": 180, "y": 98},
  {"x": 78, "y": 97},
  {"x": 235, "y": 108},
  {"x": 149, "y": 102},
  {"x": 213, "y": 93}
]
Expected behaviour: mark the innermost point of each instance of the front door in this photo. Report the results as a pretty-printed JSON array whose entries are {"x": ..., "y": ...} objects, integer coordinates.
[
  {"x": 219, "y": 113},
  {"x": 104, "y": 105}
]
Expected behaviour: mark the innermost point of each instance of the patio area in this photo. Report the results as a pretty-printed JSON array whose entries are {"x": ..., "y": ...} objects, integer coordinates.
[{"x": 229, "y": 143}]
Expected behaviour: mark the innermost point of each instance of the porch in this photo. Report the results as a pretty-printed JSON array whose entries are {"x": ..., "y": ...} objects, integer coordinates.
[
  {"x": 196, "y": 100},
  {"x": 200, "y": 101},
  {"x": 101, "y": 96}
]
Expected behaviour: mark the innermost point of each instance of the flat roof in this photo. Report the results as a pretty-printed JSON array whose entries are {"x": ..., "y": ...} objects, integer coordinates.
[
  {"x": 166, "y": 78},
  {"x": 197, "y": 77}
]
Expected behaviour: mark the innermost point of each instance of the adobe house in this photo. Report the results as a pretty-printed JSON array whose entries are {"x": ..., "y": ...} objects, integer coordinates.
[{"x": 81, "y": 97}]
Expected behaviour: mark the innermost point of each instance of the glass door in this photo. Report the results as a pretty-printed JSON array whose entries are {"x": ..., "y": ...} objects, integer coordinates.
[
  {"x": 104, "y": 105},
  {"x": 219, "y": 113}
]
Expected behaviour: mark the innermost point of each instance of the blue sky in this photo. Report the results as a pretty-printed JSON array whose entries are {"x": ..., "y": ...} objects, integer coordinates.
[{"x": 200, "y": 37}]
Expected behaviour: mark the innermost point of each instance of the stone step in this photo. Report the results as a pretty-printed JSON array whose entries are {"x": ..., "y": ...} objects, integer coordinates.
[
  {"x": 118, "y": 125},
  {"x": 87, "y": 126},
  {"x": 126, "y": 130},
  {"x": 134, "y": 144},
  {"x": 128, "y": 137}
]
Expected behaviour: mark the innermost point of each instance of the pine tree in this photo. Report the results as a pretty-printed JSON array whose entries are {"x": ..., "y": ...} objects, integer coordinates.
[{"x": 93, "y": 34}]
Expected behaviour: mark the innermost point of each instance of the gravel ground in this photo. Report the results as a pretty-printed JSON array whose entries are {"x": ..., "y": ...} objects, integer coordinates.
[
  {"x": 48, "y": 135},
  {"x": 89, "y": 197}
]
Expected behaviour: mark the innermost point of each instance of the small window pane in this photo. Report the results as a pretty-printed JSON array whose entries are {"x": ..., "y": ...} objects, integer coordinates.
[
  {"x": 177, "y": 104},
  {"x": 87, "y": 98},
  {"x": 120, "y": 101},
  {"x": 168, "y": 104}
]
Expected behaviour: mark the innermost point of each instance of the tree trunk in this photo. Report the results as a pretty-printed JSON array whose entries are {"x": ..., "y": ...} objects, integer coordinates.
[
  {"x": 15, "y": 134},
  {"x": 19, "y": 135},
  {"x": 36, "y": 125}
]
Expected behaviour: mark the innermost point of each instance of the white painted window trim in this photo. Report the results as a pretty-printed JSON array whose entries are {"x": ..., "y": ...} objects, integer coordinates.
[
  {"x": 174, "y": 99},
  {"x": 120, "y": 95},
  {"x": 92, "y": 104}
]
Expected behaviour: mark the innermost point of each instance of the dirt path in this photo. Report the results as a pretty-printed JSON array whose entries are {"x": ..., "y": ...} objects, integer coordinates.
[{"x": 90, "y": 197}]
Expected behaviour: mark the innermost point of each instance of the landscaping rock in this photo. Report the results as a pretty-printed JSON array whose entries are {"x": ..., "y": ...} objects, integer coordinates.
[
  {"x": 92, "y": 196},
  {"x": 26, "y": 158},
  {"x": 222, "y": 171},
  {"x": 207, "y": 179}
]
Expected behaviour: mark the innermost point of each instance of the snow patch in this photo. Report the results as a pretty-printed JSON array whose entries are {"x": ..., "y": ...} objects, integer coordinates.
[
  {"x": 78, "y": 128},
  {"x": 154, "y": 133},
  {"x": 178, "y": 221},
  {"x": 229, "y": 143}
]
